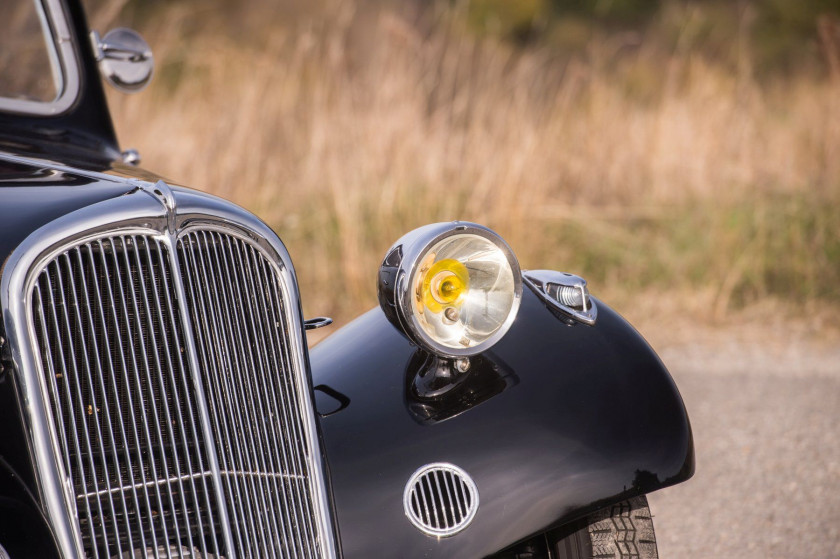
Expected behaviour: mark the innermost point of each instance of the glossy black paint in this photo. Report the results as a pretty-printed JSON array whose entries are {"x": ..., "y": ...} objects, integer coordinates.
[
  {"x": 23, "y": 528},
  {"x": 594, "y": 418},
  {"x": 435, "y": 390}
]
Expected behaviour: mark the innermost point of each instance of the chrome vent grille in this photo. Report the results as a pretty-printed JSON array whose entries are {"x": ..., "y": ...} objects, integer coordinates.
[
  {"x": 440, "y": 499},
  {"x": 173, "y": 385}
]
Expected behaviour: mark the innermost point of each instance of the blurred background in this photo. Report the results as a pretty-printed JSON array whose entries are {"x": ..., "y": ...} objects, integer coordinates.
[
  {"x": 683, "y": 156},
  {"x": 684, "y": 153}
]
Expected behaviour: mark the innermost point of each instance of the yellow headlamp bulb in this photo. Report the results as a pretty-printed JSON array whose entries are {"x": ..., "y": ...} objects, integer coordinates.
[{"x": 444, "y": 285}]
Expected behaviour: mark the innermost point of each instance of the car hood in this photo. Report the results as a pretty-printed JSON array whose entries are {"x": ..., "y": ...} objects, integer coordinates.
[{"x": 34, "y": 192}]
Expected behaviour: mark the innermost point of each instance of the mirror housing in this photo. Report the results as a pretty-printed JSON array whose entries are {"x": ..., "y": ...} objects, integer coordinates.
[{"x": 125, "y": 59}]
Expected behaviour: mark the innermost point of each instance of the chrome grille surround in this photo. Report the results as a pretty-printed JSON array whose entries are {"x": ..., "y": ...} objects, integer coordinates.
[
  {"x": 440, "y": 499},
  {"x": 148, "y": 213}
]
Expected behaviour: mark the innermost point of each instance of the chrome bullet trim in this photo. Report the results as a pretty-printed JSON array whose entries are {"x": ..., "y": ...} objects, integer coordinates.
[{"x": 565, "y": 292}]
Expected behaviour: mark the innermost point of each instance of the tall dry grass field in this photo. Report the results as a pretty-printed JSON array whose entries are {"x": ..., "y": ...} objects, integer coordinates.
[{"x": 648, "y": 171}]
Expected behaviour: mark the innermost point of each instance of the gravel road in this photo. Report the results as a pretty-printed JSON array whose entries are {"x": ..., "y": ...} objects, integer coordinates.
[{"x": 767, "y": 437}]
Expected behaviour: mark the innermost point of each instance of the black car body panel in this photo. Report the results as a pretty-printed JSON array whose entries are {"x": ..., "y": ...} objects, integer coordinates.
[
  {"x": 24, "y": 531},
  {"x": 591, "y": 418}
]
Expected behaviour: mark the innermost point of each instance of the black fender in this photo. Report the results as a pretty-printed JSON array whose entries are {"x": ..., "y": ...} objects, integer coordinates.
[
  {"x": 24, "y": 531},
  {"x": 557, "y": 420}
]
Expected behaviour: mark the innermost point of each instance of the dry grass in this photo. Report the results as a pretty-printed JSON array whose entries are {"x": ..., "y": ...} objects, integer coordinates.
[{"x": 354, "y": 124}]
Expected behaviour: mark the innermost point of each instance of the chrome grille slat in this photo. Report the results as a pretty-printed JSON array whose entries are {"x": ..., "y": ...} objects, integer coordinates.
[
  {"x": 138, "y": 309},
  {"x": 185, "y": 478},
  {"x": 297, "y": 431},
  {"x": 101, "y": 383},
  {"x": 449, "y": 514},
  {"x": 271, "y": 527},
  {"x": 172, "y": 315},
  {"x": 75, "y": 376},
  {"x": 53, "y": 377},
  {"x": 179, "y": 411},
  {"x": 251, "y": 287},
  {"x": 223, "y": 391},
  {"x": 159, "y": 365},
  {"x": 230, "y": 281},
  {"x": 266, "y": 387},
  {"x": 291, "y": 533},
  {"x": 118, "y": 272},
  {"x": 113, "y": 378},
  {"x": 240, "y": 386}
]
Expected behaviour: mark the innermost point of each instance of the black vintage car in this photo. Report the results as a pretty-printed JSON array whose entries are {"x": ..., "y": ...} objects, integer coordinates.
[{"x": 157, "y": 398}]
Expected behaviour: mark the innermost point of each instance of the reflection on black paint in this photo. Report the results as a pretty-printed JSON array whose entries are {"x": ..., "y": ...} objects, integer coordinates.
[
  {"x": 646, "y": 481},
  {"x": 436, "y": 391}
]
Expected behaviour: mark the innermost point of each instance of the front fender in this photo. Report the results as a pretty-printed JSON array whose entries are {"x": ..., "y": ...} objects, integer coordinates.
[
  {"x": 579, "y": 417},
  {"x": 24, "y": 532}
]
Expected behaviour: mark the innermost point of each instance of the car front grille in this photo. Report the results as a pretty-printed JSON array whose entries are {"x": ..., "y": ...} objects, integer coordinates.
[
  {"x": 237, "y": 309},
  {"x": 176, "y": 402}
]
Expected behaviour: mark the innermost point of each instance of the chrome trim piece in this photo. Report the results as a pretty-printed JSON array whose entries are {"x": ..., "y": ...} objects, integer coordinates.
[
  {"x": 131, "y": 157},
  {"x": 565, "y": 286},
  {"x": 166, "y": 197},
  {"x": 41, "y": 163},
  {"x": 317, "y": 322},
  {"x": 174, "y": 479},
  {"x": 440, "y": 499},
  {"x": 125, "y": 59},
  {"x": 64, "y": 63},
  {"x": 148, "y": 211}
]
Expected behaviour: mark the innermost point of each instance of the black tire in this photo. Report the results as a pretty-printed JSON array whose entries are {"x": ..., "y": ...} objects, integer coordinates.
[{"x": 622, "y": 531}]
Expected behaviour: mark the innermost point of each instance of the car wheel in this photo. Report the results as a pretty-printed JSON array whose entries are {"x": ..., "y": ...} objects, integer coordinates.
[{"x": 622, "y": 531}]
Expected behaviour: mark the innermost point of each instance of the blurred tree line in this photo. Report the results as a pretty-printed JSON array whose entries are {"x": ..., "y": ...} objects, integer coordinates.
[{"x": 779, "y": 36}]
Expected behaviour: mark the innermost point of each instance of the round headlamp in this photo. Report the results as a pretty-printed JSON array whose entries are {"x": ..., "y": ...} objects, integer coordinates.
[{"x": 453, "y": 288}]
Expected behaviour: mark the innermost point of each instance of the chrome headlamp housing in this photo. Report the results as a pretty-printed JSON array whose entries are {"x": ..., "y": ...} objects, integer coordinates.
[{"x": 453, "y": 288}]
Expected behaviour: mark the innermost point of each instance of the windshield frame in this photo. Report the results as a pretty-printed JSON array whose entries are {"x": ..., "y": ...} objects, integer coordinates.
[{"x": 63, "y": 63}]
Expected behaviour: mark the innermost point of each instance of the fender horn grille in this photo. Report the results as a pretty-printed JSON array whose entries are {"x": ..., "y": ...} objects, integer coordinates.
[{"x": 440, "y": 499}]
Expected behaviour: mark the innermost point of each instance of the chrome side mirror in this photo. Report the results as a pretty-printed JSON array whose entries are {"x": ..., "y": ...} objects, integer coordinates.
[{"x": 124, "y": 58}]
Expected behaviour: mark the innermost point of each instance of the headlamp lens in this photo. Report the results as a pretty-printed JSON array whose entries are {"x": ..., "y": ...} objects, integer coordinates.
[{"x": 464, "y": 291}]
